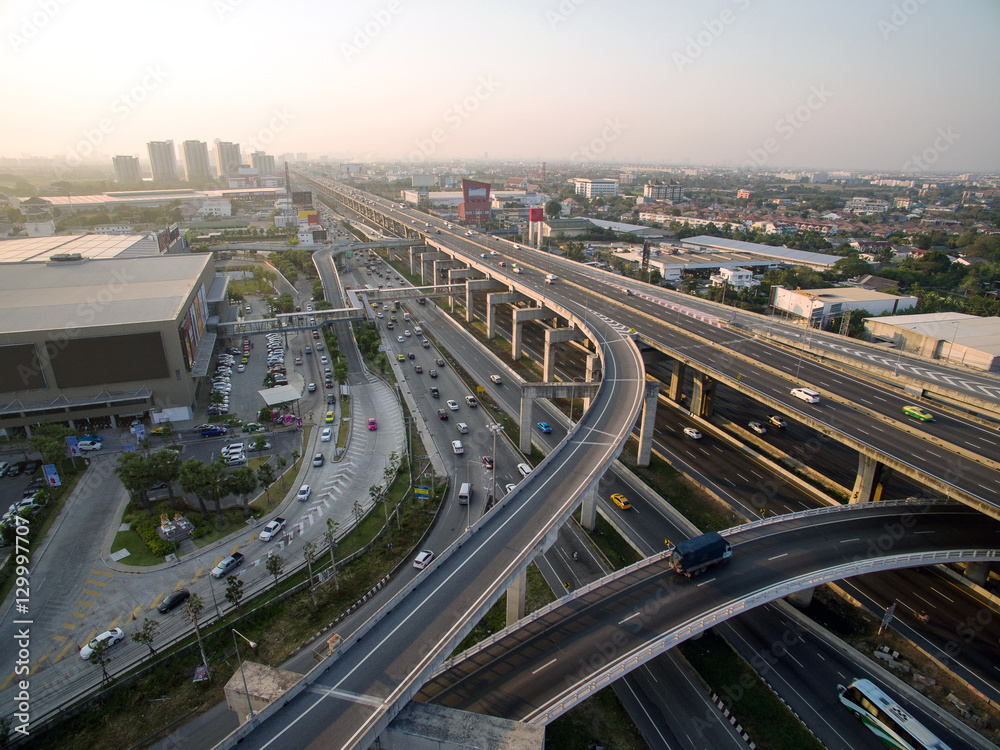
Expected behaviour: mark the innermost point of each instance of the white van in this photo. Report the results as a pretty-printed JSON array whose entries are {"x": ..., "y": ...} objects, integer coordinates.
[
  {"x": 806, "y": 394},
  {"x": 463, "y": 428},
  {"x": 464, "y": 493}
]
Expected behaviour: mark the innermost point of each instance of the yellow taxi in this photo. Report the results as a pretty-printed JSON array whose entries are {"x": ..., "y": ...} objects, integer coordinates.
[
  {"x": 621, "y": 501},
  {"x": 329, "y": 416}
]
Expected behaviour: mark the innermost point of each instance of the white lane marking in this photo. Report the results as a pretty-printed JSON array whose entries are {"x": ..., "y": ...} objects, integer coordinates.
[
  {"x": 621, "y": 622},
  {"x": 778, "y": 557},
  {"x": 548, "y": 664},
  {"x": 855, "y": 539},
  {"x": 705, "y": 583},
  {"x": 941, "y": 595}
]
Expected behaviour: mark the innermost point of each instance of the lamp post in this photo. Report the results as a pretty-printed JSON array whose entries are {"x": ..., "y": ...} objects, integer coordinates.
[
  {"x": 212, "y": 587},
  {"x": 496, "y": 428},
  {"x": 242, "y": 673}
]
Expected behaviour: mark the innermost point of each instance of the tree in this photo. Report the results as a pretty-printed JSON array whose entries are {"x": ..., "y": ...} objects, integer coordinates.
[
  {"x": 265, "y": 475},
  {"x": 193, "y": 609},
  {"x": 340, "y": 370},
  {"x": 553, "y": 208},
  {"x": 383, "y": 362},
  {"x": 358, "y": 512},
  {"x": 275, "y": 565},
  {"x": 234, "y": 590},
  {"x": 136, "y": 474},
  {"x": 281, "y": 461},
  {"x": 380, "y": 494},
  {"x": 309, "y": 553},
  {"x": 242, "y": 482},
  {"x": 52, "y": 450},
  {"x": 193, "y": 479},
  {"x": 165, "y": 466},
  {"x": 100, "y": 658},
  {"x": 331, "y": 539},
  {"x": 146, "y": 634}
]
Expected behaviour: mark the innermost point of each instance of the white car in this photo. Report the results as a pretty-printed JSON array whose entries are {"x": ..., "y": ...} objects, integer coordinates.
[
  {"x": 423, "y": 559},
  {"x": 268, "y": 532},
  {"x": 524, "y": 469},
  {"x": 304, "y": 492},
  {"x": 453, "y": 405},
  {"x": 109, "y": 638},
  {"x": 407, "y": 333},
  {"x": 326, "y": 435},
  {"x": 496, "y": 379},
  {"x": 692, "y": 433},
  {"x": 89, "y": 445},
  {"x": 399, "y": 339},
  {"x": 456, "y": 445},
  {"x": 232, "y": 450}
]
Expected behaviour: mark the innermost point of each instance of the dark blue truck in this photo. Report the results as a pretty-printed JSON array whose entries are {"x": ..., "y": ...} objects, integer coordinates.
[{"x": 695, "y": 555}]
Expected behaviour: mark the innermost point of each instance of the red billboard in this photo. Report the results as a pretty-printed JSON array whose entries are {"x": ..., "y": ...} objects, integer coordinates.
[{"x": 535, "y": 214}]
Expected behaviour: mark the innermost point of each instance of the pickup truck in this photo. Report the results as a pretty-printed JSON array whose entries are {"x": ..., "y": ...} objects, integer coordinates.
[
  {"x": 227, "y": 564},
  {"x": 272, "y": 529}
]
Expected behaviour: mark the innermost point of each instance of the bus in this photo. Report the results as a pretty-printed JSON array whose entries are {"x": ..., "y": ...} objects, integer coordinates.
[{"x": 887, "y": 719}]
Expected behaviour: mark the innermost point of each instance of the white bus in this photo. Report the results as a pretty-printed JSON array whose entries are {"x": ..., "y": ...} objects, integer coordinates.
[{"x": 886, "y": 719}]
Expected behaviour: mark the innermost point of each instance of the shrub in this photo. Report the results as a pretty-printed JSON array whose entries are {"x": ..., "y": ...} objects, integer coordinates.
[{"x": 146, "y": 529}]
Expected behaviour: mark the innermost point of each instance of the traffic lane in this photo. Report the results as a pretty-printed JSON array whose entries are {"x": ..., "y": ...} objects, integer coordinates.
[
  {"x": 550, "y": 657},
  {"x": 802, "y": 669}
]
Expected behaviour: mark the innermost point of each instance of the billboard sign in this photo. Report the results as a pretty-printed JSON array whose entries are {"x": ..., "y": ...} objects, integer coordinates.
[
  {"x": 51, "y": 475},
  {"x": 536, "y": 214},
  {"x": 74, "y": 449}
]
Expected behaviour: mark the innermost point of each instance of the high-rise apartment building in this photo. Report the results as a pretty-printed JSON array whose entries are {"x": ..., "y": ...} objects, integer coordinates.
[
  {"x": 227, "y": 158},
  {"x": 162, "y": 161},
  {"x": 594, "y": 188},
  {"x": 263, "y": 163},
  {"x": 658, "y": 191},
  {"x": 196, "y": 161},
  {"x": 127, "y": 170}
]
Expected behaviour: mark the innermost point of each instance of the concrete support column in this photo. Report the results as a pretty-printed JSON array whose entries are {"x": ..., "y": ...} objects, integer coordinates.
[
  {"x": 492, "y": 300},
  {"x": 868, "y": 483},
  {"x": 588, "y": 508},
  {"x": 802, "y": 599},
  {"x": 515, "y": 598},
  {"x": 423, "y": 265},
  {"x": 648, "y": 424},
  {"x": 114, "y": 422},
  {"x": 977, "y": 572},
  {"x": 677, "y": 381},
  {"x": 515, "y": 341},
  {"x": 520, "y": 316},
  {"x": 592, "y": 360},
  {"x": 527, "y": 405},
  {"x": 468, "y": 303},
  {"x": 392, "y": 253},
  {"x": 556, "y": 336},
  {"x": 415, "y": 253},
  {"x": 701, "y": 397}
]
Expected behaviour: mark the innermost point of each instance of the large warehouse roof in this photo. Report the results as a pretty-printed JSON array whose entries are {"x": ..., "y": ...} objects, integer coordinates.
[
  {"x": 88, "y": 293},
  {"x": 784, "y": 254},
  {"x": 981, "y": 334},
  {"x": 88, "y": 245}
]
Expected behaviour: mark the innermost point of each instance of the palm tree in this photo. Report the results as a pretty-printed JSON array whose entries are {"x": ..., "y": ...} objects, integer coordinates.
[
  {"x": 136, "y": 475},
  {"x": 243, "y": 482},
  {"x": 165, "y": 466},
  {"x": 191, "y": 475}
]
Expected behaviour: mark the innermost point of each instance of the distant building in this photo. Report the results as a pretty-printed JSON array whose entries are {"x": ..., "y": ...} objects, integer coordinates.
[
  {"x": 196, "y": 161},
  {"x": 516, "y": 183},
  {"x": 162, "y": 161},
  {"x": 474, "y": 209},
  {"x": 737, "y": 278},
  {"x": 659, "y": 191},
  {"x": 217, "y": 207},
  {"x": 819, "y": 306},
  {"x": 263, "y": 163},
  {"x": 866, "y": 206},
  {"x": 566, "y": 228},
  {"x": 901, "y": 202},
  {"x": 958, "y": 338},
  {"x": 127, "y": 170},
  {"x": 742, "y": 194},
  {"x": 626, "y": 178},
  {"x": 878, "y": 284},
  {"x": 422, "y": 180},
  {"x": 115, "y": 229},
  {"x": 594, "y": 188},
  {"x": 227, "y": 158},
  {"x": 352, "y": 168},
  {"x": 245, "y": 176}
]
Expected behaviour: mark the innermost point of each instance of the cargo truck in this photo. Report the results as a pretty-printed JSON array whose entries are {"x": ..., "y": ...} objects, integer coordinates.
[{"x": 695, "y": 555}]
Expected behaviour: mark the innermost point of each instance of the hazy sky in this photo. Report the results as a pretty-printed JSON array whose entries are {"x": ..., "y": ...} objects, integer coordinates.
[{"x": 860, "y": 84}]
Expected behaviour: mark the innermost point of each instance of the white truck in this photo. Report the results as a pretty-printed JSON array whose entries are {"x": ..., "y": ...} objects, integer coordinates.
[
  {"x": 272, "y": 529},
  {"x": 550, "y": 278}
]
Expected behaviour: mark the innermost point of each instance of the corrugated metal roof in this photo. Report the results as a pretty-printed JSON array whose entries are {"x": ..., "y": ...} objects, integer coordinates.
[{"x": 786, "y": 254}]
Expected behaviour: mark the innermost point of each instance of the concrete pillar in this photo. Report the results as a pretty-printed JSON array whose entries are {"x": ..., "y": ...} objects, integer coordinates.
[
  {"x": 592, "y": 360},
  {"x": 648, "y": 424},
  {"x": 556, "y": 336},
  {"x": 527, "y": 405},
  {"x": 492, "y": 300},
  {"x": 802, "y": 599},
  {"x": 415, "y": 253},
  {"x": 701, "y": 397},
  {"x": 677, "y": 381},
  {"x": 520, "y": 316},
  {"x": 468, "y": 303},
  {"x": 423, "y": 265},
  {"x": 588, "y": 508},
  {"x": 868, "y": 483},
  {"x": 515, "y": 598},
  {"x": 515, "y": 341},
  {"x": 977, "y": 572},
  {"x": 440, "y": 265},
  {"x": 392, "y": 253},
  {"x": 114, "y": 422}
]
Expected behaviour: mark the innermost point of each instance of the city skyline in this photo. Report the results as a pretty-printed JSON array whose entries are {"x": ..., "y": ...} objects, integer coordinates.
[{"x": 737, "y": 83}]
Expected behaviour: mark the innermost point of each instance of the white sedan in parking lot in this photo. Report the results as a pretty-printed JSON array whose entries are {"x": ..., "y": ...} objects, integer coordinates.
[{"x": 89, "y": 445}]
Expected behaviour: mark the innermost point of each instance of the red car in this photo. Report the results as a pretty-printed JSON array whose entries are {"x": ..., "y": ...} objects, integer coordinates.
[{"x": 488, "y": 462}]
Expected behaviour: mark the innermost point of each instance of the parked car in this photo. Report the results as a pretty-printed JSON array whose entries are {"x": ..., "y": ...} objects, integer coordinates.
[
  {"x": 89, "y": 445},
  {"x": 227, "y": 564},
  {"x": 173, "y": 600},
  {"x": 109, "y": 638}
]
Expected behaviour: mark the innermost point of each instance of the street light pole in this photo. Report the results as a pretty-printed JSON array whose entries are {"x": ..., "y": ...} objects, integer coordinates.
[
  {"x": 246, "y": 690},
  {"x": 496, "y": 428}
]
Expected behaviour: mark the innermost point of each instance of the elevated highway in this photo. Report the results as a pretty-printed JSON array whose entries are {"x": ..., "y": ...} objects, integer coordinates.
[
  {"x": 346, "y": 701},
  {"x": 547, "y": 663}
]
